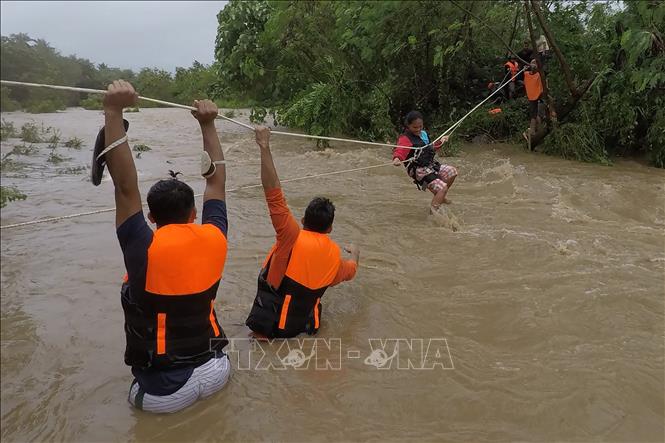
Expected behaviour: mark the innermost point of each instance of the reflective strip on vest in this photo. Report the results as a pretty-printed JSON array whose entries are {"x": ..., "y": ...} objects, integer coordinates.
[
  {"x": 316, "y": 313},
  {"x": 161, "y": 333},
  {"x": 285, "y": 312},
  {"x": 184, "y": 269},
  {"x": 213, "y": 323}
]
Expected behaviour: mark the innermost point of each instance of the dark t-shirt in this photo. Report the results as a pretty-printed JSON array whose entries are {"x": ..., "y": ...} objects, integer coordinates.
[
  {"x": 525, "y": 54},
  {"x": 135, "y": 237}
]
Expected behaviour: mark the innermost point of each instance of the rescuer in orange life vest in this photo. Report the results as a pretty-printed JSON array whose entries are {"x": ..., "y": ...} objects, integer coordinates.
[
  {"x": 174, "y": 341},
  {"x": 512, "y": 68},
  {"x": 302, "y": 263},
  {"x": 534, "y": 90}
]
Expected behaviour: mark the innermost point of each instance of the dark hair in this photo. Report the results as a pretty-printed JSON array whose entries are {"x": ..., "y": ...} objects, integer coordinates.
[
  {"x": 170, "y": 201},
  {"x": 412, "y": 117},
  {"x": 319, "y": 215}
]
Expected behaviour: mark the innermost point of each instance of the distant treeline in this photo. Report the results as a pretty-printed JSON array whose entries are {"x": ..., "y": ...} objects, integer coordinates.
[{"x": 29, "y": 60}]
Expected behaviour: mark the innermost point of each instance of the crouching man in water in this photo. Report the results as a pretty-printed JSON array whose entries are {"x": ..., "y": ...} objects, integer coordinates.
[
  {"x": 421, "y": 164},
  {"x": 301, "y": 265},
  {"x": 174, "y": 341}
]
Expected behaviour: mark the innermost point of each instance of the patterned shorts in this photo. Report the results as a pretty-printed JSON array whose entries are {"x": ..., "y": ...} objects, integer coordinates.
[
  {"x": 204, "y": 381},
  {"x": 444, "y": 175}
]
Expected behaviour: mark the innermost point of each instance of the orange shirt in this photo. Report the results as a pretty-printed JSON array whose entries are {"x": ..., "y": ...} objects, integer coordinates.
[
  {"x": 287, "y": 231},
  {"x": 533, "y": 85}
]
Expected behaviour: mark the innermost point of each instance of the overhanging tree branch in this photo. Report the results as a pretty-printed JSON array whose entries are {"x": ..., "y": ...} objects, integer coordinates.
[
  {"x": 541, "y": 71},
  {"x": 491, "y": 30},
  {"x": 567, "y": 73}
]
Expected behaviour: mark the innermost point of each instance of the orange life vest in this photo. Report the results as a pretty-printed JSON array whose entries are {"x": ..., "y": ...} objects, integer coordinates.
[
  {"x": 171, "y": 322},
  {"x": 513, "y": 68},
  {"x": 533, "y": 85},
  {"x": 295, "y": 306}
]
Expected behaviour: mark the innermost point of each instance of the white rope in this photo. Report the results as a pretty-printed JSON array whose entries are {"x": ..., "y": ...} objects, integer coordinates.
[
  {"x": 291, "y": 134},
  {"x": 101, "y": 211},
  {"x": 176, "y": 105}
]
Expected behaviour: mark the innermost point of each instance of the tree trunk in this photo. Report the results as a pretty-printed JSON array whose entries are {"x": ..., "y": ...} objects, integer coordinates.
[
  {"x": 512, "y": 34},
  {"x": 568, "y": 75},
  {"x": 541, "y": 71},
  {"x": 566, "y": 109}
]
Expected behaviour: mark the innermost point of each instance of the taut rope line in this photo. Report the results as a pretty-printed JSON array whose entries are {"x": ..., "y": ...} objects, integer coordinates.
[
  {"x": 101, "y": 211},
  {"x": 176, "y": 105},
  {"x": 244, "y": 125}
]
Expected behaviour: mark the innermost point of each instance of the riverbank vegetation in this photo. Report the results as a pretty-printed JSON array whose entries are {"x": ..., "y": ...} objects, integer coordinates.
[{"x": 357, "y": 67}]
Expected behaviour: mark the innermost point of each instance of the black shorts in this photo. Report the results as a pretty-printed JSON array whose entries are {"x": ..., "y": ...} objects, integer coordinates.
[{"x": 533, "y": 108}]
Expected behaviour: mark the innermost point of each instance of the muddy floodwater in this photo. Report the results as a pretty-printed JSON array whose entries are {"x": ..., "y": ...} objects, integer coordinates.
[{"x": 540, "y": 298}]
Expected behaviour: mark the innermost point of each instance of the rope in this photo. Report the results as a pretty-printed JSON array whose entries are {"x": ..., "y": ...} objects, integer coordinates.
[
  {"x": 101, "y": 211},
  {"x": 325, "y": 174},
  {"x": 176, "y": 105},
  {"x": 244, "y": 125}
]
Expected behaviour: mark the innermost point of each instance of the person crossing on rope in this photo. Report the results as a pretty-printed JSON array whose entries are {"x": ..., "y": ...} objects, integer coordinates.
[
  {"x": 421, "y": 164},
  {"x": 302, "y": 263},
  {"x": 174, "y": 340}
]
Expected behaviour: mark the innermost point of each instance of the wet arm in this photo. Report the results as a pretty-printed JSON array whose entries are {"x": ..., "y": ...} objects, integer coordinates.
[
  {"x": 215, "y": 185},
  {"x": 121, "y": 167},
  {"x": 285, "y": 225}
]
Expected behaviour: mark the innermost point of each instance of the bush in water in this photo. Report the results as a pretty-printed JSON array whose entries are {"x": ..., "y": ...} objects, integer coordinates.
[
  {"x": 141, "y": 148},
  {"x": 9, "y": 194},
  {"x": 7, "y": 130},
  {"x": 30, "y": 133},
  {"x": 74, "y": 143}
]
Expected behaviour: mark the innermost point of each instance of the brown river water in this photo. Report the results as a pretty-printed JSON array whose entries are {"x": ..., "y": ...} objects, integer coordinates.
[{"x": 542, "y": 292}]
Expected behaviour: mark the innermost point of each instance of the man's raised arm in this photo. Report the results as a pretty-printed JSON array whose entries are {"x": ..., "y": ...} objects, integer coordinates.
[
  {"x": 119, "y": 160},
  {"x": 269, "y": 178},
  {"x": 206, "y": 113}
]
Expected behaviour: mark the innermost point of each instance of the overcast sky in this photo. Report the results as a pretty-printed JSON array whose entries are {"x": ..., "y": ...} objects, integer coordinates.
[{"x": 131, "y": 34}]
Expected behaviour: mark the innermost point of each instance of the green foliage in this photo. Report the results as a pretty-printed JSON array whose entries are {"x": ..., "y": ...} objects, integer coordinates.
[
  {"x": 258, "y": 115},
  {"x": 655, "y": 139},
  {"x": 56, "y": 158},
  {"x": 9, "y": 194},
  {"x": 24, "y": 149},
  {"x": 72, "y": 170},
  {"x": 74, "y": 143},
  {"x": 506, "y": 125},
  {"x": 7, "y": 104},
  {"x": 230, "y": 114},
  {"x": 34, "y": 60},
  {"x": 7, "y": 130},
  {"x": 451, "y": 148},
  {"x": 8, "y": 164},
  {"x": 577, "y": 141},
  {"x": 93, "y": 103},
  {"x": 30, "y": 133},
  {"x": 141, "y": 148},
  {"x": 53, "y": 140},
  {"x": 45, "y": 106},
  {"x": 155, "y": 83},
  {"x": 357, "y": 67}
]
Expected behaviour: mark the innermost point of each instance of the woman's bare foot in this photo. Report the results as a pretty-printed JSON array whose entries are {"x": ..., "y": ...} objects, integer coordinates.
[{"x": 447, "y": 201}]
